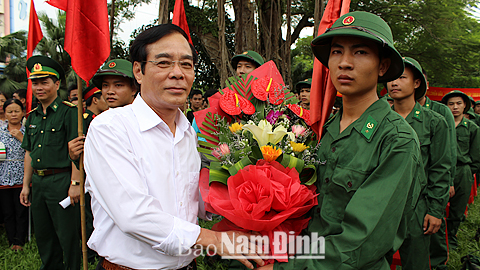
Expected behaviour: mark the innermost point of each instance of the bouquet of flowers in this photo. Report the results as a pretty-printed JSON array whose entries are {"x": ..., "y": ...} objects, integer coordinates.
[{"x": 263, "y": 156}]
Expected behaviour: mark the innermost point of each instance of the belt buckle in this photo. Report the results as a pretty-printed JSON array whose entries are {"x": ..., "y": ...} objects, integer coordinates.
[{"x": 41, "y": 172}]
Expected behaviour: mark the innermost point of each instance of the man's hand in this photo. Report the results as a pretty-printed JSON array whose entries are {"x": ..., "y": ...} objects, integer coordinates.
[
  {"x": 24, "y": 196},
  {"x": 213, "y": 241},
  {"x": 266, "y": 267},
  {"x": 74, "y": 194},
  {"x": 75, "y": 147},
  {"x": 17, "y": 134},
  {"x": 451, "y": 192},
  {"x": 434, "y": 224}
]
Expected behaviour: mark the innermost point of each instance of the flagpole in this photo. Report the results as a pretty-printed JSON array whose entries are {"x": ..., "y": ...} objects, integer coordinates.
[{"x": 82, "y": 176}]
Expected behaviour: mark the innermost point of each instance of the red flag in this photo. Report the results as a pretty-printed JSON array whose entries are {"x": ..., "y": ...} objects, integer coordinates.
[
  {"x": 34, "y": 36},
  {"x": 323, "y": 92},
  {"x": 60, "y": 4},
  {"x": 180, "y": 18},
  {"x": 87, "y": 36}
]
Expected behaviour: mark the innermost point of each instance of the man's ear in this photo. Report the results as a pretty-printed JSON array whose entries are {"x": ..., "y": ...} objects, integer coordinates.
[
  {"x": 137, "y": 72},
  {"x": 94, "y": 100},
  {"x": 384, "y": 65},
  {"x": 417, "y": 83}
]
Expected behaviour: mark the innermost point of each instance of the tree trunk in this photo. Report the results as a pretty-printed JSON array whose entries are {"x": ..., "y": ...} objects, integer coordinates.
[
  {"x": 245, "y": 28},
  {"x": 287, "y": 76},
  {"x": 222, "y": 43},
  {"x": 112, "y": 21},
  {"x": 163, "y": 12},
  {"x": 270, "y": 32}
]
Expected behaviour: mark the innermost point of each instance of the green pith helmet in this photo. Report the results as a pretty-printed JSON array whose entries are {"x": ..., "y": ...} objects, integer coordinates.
[
  {"x": 303, "y": 84},
  {"x": 477, "y": 103},
  {"x": 422, "y": 89},
  {"x": 41, "y": 67},
  {"x": 364, "y": 25},
  {"x": 471, "y": 112},
  {"x": 457, "y": 93},
  {"x": 116, "y": 67},
  {"x": 472, "y": 101},
  {"x": 250, "y": 56}
]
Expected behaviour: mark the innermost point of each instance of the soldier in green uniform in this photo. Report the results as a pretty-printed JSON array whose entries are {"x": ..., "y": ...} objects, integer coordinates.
[
  {"x": 468, "y": 161},
  {"x": 371, "y": 171},
  {"x": 116, "y": 81},
  {"x": 303, "y": 90},
  {"x": 433, "y": 134},
  {"x": 389, "y": 99},
  {"x": 438, "y": 241},
  {"x": 96, "y": 104},
  {"x": 246, "y": 62},
  {"x": 477, "y": 107},
  {"x": 48, "y": 129}
]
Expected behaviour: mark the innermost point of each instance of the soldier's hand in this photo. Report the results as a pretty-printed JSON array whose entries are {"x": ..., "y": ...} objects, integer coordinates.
[
  {"x": 432, "y": 223},
  {"x": 75, "y": 147},
  {"x": 451, "y": 192},
  {"x": 24, "y": 197},
  {"x": 74, "y": 194},
  {"x": 17, "y": 134}
]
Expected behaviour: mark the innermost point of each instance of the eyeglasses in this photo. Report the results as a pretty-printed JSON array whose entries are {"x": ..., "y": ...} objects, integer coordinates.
[
  {"x": 359, "y": 29},
  {"x": 167, "y": 64}
]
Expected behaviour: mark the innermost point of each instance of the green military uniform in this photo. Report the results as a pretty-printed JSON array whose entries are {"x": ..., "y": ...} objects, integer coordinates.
[
  {"x": 371, "y": 174},
  {"x": 368, "y": 188},
  {"x": 438, "y": 241},
  {"x": 468, "y": 163}
]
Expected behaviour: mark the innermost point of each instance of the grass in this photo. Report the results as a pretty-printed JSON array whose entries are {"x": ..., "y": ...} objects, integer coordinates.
[{"x": 28, "y": 259}]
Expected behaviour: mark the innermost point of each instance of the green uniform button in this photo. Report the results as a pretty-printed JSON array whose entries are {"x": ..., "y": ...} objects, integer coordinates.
[
  {"x": 38, "y": 160},
  {"x": 349, "y": 184},
  {"x": 44, "y": 117},
  {"x": 53, "y": 129},
  {"x": 333, "y": 149},
  {"x": 39, "y": 145},
  {"x": 327, "y": 180},
  {"x": 41, "y": 131}
]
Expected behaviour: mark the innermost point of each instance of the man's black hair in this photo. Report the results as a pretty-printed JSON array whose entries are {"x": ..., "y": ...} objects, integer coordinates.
[
  {"x": 89, "y": 100},
  {"x": 22, "y": 93},
  {"x": 10, "y": 101},
  {"x": 195, "y": 92},
  {"x": 4, "y": 94},
  {"x": 138, "y": 50},
  {"x": 71, "y": 88},
  {"x": 210, "y": 92}
]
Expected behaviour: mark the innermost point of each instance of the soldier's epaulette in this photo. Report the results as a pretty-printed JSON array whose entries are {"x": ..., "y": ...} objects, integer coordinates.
[
  {"x": 32, "y": 110},
  {"x": 85, "y": 115},
  {"x": 69, "y": 104}
]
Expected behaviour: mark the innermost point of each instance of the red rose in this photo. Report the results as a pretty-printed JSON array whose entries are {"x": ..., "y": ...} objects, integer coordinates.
[{"x": 260, "y": 197}]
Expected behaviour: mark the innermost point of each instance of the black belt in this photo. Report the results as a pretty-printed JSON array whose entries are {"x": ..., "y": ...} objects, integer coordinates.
[
  {"x": 46, "y": 172},
  {"x": 107, "y": 265}
]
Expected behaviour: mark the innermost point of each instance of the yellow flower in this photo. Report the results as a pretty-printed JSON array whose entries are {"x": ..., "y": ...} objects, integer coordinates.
[
  {"x": 235, "y": 127},
  {"x": 263, "y": 133},
  {"x": 270, "y": 153},
  {"x": 298, "y": 147}
]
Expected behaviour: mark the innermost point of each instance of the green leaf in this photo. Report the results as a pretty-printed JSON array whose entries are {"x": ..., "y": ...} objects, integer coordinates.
[
  {"x": 240, "y": 165},
  {"x": 289, "y": 161},
  {"x": 218, "y": 173},
  {"x": 206, "y": 144},
  {"x": 207, "y": 137},
  {"x": 308, "y": 176}
]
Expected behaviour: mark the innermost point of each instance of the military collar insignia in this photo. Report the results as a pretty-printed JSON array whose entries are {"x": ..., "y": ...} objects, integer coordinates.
[
  {"x": 37, "y": 67},
  {"x": 369, "y": 127},
  {"x": 416, "y": 114},
  {"x": 348, "y": 20},
  {"x": 112, "y": 65}
]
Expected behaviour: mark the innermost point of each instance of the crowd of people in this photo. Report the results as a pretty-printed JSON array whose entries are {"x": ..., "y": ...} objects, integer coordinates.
[{"x": 390, "y": 169}]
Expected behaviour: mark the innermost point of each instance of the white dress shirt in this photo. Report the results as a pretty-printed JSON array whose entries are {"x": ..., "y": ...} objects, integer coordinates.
[{"x": 144, "y": 187}]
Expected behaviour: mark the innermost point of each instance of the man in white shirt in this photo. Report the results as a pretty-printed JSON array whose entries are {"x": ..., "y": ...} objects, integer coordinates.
[{"x": 142, "y": 165}]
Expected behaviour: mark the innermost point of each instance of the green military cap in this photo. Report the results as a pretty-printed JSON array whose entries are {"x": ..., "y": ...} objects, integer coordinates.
[
  {"x": 251, "y": 56},
  {"x": 388, "y": 97},
  {"x": 477, "y": 103},
  {"x": 116, "y": 67},
  {"x": 365, "y": 25},
  {"x": 42, "y": 66},
  {"x": 457, "y": 93},
  {"x": 417, "y": 68},
  {"x": 472, "y": 101},
  {"x": 471, "y": 112},
  {"x": 90, "y": 91},
  {"x": 307, "y": 83}
]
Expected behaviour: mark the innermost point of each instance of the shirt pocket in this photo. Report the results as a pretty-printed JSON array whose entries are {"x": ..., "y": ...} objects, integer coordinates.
[
  {"x": 463, "y": 143},
  {"x": 342, "y": 187},
  {"x": 55, "y": 134}
]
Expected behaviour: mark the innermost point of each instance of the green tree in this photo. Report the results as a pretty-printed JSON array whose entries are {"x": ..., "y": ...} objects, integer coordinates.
[{"x": 302, "y": 60}]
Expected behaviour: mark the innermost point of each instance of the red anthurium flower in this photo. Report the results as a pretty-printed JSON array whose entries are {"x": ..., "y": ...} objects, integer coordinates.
[
  {"x": 234, "y": 104},
  {"x": 300, "y": 112},
  {"x": 268, "y": 88}
]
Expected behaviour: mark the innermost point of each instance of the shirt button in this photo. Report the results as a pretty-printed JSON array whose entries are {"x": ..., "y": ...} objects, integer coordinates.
[
  {"x": 41, "y": 131},
  {"x": 53, "y": 129},
  {"x": 176, "y": 174},
  {"x": 327, "y": 180},
  {"x": 44, "y": 117},
  {"x": 333, "y": 149},
  {"x": 39, "y": 145},
  {"x": 349, "y": 184},
  {"x": 38, "y": 160},
  {"x": 181, "y": 204}
]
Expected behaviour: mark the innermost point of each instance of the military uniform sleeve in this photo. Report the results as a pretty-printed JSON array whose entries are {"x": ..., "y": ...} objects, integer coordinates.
[
  {"x": 474, "y": 147},
  {"x": 438, "y": 168},
  {"x": 26, "y": 138},
  {"x": 71, "y": 123},
  {"x": 453, "y": 144},
  {"x": 376, "y": 212}
]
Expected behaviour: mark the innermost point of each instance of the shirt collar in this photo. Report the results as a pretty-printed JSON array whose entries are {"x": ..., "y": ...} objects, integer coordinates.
[
  {"x": 416, "y": 113},
  {"x": 54, "y": 105},
  {"x": 464, "y": 123},
  {"x": 147, "y": 118},
  {"x": 368, "y": 122},
  {"x": 428, "y": 103}
]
